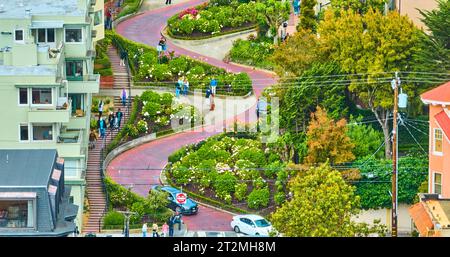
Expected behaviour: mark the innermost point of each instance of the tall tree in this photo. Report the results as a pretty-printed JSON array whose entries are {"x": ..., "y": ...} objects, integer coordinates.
[
  {"x": 360, "y": 6},
  {"x": 327, "y": 140},
  {"x": 307, "y": 15},
  {"x": 371, "y": 46},
  {"x": 438, "y": 22},
  {"x": 274, "y": 12},
  {"x": 297, "y": 54},
  {"x": 322, "y": 206}
]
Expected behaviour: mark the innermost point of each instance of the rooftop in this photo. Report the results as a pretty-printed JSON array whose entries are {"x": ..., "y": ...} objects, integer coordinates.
[
  {"x": 444, "y": 122},
  {"x": 26, "y": 167},
  {"x": 17, "y": 8},
  {"x": 439, "y": 95}
]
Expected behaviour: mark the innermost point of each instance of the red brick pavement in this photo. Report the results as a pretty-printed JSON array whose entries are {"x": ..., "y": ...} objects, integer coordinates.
[{"x": 141, "y": 166}]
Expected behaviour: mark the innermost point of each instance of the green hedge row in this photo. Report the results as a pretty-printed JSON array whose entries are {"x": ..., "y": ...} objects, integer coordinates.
[{"x": 129, "y": 7}]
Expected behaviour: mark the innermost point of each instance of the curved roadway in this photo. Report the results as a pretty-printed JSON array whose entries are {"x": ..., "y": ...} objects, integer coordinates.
[{"x": 141, "y": 166}]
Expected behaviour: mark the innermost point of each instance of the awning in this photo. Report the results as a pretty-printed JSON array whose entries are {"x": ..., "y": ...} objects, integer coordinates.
[
  {"x": 47, "y": 24},
  {"x": 17, "y": 195},
  {"x": 30, "y": 85}
]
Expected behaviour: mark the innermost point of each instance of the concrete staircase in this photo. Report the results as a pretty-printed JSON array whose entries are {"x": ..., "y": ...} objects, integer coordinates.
[
  {"x": 94, "y": 185},
  {"x": 120, "y": 72}
]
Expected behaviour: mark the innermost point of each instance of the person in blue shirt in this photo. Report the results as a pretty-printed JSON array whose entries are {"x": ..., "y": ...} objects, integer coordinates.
[
  {"x": 213, "y": 85},
  {"x": 296, "y": 7}
]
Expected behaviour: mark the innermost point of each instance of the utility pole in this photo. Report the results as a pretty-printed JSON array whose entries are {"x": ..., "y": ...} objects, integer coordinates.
[
  {"x": 127, "y": 215},
  {"x": 395, "y": 85}
]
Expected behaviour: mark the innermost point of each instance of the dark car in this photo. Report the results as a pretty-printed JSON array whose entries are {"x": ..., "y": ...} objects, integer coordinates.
[{"x": 188, "y": 208}]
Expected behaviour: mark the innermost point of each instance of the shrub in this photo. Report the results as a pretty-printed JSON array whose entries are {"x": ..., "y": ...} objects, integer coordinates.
[
  {"x": 272, "y": 169},
  {"x": 113, "y": 218},
  {"x": 279, "y": 198},
  {"x": 260, "y": 183},
  {"x": 225, "y": 184},
  {"x": 240, "y": 191},
  {"x": 176, "y": 156},
  {"x": 142, "y": 127},
  {"x": 150, "y": 96},
  {"x": 151, "y": 109},
  {"x": 131, "y": 131},
  {"x": 258, "y": 198},
  {"x": 166, "y": 99}
]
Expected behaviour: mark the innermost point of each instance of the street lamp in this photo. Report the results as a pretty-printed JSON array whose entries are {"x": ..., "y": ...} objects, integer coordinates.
[{"x": 127, "y": 215}]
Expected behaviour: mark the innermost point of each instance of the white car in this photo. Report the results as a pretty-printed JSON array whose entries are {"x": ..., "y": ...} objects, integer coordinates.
[{"x": 254, "y": 225}]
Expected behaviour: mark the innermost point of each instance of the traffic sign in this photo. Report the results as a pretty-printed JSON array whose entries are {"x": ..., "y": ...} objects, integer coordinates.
[{"x": 181, "y": 198}]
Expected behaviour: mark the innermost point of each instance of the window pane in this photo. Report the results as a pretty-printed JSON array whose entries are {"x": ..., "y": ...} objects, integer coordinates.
[
  {"x": 24, "y": 132},
  {"x": 438, "y": 140},
  {"x": 18, "y": 35},
  {"x": 70, "y": 71},
  {"x": 78, "y": 68},
  {"x": 42, "y": 96},
  {"x": 23, "y": 96},
  {"x": 13, "y": 214},
  {"x": 42, "y": 132},
  {"x": 98, "y": 17},
  {"x": 437, "y": 183},
  {"x": 51, "y": 35},
  {"x": 73, "y": 35},
  {"x": 41, "y": 35}
]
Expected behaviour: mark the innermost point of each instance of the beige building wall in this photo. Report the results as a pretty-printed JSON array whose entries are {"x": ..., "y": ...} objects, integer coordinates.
[{"x": 409, "y": 8}]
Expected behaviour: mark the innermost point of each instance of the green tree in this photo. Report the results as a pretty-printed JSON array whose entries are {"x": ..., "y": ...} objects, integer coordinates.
[
  {"x": 322, "y": 206},
  {"x": 327, "y": 140},
  {"x": 358, "y": 5},
  {"x": 297, "y": 54},
  {"x": 318, "y": 86},
  {"x": 307, "y": 15},
  {"x": 438, "y": 22},
  {"x": 367, "y": 140},
  {"x": 274, "y": 12},
  {"x": 371, "y": 45}
]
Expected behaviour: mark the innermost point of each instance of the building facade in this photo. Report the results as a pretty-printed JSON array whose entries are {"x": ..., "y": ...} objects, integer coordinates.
[
  {"x": 438, "y": 100},
  {"x": 33, "y": 198},
  {"x": 47, "y": 50},
  {"x": 410, "y": 8}
]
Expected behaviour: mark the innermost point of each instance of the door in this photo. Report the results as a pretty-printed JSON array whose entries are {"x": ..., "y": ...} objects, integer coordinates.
[{"x": 245, "y": 226}]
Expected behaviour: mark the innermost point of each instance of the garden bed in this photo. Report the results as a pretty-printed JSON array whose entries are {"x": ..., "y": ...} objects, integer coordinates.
[
  {"x": 234, "y": 169},
  {"x": 211, "y": 20},
  {"x": 149, "y": 69},
  {"x": 253, "y": 52}
]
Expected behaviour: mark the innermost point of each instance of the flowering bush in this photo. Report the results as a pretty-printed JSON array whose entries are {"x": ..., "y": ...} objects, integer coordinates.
[
  {"x": 228, "y": 165},
  {"x": 253, "y": 52},
  {"x": 213, "y": 18},
  {"x": 258, "y": 198},
  {"x": 142, "y": 127}
]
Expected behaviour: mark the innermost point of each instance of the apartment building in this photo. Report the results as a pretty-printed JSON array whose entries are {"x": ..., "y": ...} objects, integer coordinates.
[{"x": 47, "y": 50}]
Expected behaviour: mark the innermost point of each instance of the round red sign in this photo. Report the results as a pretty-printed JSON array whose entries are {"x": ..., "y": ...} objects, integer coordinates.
[{"x": 181, "y": 198}]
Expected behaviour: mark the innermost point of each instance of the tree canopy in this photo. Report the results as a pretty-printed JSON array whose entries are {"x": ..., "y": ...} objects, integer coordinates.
[
  {"x": 307, "y": 15},
  {"x": 322, "y": 206}
]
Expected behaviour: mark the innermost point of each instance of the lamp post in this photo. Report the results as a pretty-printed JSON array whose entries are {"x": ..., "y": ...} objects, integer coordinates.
[{"x": 127, "y": 215}]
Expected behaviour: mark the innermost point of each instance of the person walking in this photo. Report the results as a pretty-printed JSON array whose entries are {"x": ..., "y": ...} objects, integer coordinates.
[
  {"x": 108, "y": 19},
  {"x": 92, "y": 139},
  {"x": 100, "y": 108},
  {"x": 178, "y": 88},
  {"x": 124, "y": 97},
  {"x": 211, "y": 102},
  {"x": 102, "y": 128},
  {"x": 185, "y": 86},
  {"x": 111, "y": 120},
  {"x": 171, "y": 222},
  {"x": 165, "y": 229},
  {"x": 115, "y": 122},
  {"x": 213, "y": 85},
  {"x": 155, "y": 230},
  {"x": 123, "y": 55},
  {"x": 119, "y": 115},
  {"x": 144, "y": 230},
  {"x": 296, "y": 4}
]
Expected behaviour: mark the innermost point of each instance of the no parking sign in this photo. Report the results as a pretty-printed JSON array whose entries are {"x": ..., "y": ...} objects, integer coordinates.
[{"x": 181, "y": 198}]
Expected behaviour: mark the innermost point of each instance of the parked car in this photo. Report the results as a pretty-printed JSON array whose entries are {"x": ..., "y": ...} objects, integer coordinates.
[
  {"x": 188, "y": 208},
  {"x": 253, "y": 225}
]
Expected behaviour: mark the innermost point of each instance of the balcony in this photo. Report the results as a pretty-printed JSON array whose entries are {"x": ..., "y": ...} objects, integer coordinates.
[
  {"x": 84, "y": 84},
  {"x": 52, "y": 114},
  {"x": 48, "y": 55},
  {"x": 69, "y": 143}
]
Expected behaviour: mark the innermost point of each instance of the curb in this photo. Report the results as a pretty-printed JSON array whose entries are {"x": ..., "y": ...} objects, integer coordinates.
[
  {"x": 212, "y": 38},
  {"x": 253, "y": 68}
]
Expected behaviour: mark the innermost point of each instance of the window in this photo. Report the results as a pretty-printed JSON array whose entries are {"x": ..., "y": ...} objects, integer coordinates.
[
  {"x": 73, "y": 35},
  {"x": 24, "y": 132},
  {"x": 437, "y": 183},
  {"x": 41, "y": 95},
  {"x": 42, "y": 132},
  {"x": 437, "y": 140},
  {"x": 74, "y": 70},
  {"x": 18, "y": 35},
  {"x": 46, "y": 35},
  {"x": 98, "y": 17},
  {"x": 77, "y": 104},
  {"x": 23, "y": 96},
  {"x": 16, "y": 214}
]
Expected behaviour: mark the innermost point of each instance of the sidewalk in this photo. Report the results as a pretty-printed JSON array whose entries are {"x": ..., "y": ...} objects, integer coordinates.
[{"x": 137, "y": 233}]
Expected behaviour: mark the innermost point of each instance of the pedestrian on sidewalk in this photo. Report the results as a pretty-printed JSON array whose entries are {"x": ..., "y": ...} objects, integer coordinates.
[
  {"x": 213, "y": 85},
  {"x": 144, "y": 230},
  {"x": 92, "y": 139},
  {"x": 178, "y": 86},
  {"x": 165, "y": 229},
  {"x": 296, "y": 4},
  {"x": 123, "y": 55},
  {"x": 124, "y": 97},
  {"x": 100, "y": 108},
  {"x": 171, "y": 222},
  {"x": 155, "y": 230},
  {"x": 119, "y": 115},
  {"x": 211, "y": 102},
  {"x": 102, "y": 128},
  {"x": 185, "y": 86},
  {"x": 116, "y": 122},
  {"x": 108, "y": 20}
]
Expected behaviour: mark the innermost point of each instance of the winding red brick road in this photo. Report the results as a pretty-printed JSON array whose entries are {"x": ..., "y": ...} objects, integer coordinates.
[{"x": 141, "y": 166}]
